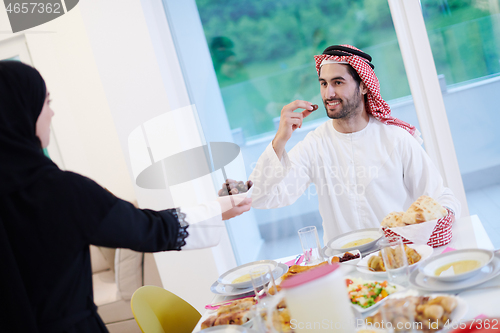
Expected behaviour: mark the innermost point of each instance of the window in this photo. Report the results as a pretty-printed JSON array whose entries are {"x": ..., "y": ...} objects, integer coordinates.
[
  {"x": 465, "y": 41},
  {"x": 262, "y": 54}
]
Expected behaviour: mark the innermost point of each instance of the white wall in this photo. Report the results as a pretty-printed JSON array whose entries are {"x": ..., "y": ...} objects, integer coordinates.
[{"x": 83, "y": 125}]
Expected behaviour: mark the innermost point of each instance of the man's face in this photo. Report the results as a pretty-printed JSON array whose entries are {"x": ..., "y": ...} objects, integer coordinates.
[{"x": 341, "y": 95}]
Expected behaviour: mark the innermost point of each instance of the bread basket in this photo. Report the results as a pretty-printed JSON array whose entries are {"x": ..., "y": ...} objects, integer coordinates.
[{"x": 441, "y": 235}]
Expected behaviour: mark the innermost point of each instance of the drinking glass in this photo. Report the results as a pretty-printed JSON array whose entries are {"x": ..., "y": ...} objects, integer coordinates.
[
  {"x": 398, "y": 315},
  {"x": 310, "y": 245},
  {"x": 262, "y": 282},
  {"x": 395, "y": 262}
]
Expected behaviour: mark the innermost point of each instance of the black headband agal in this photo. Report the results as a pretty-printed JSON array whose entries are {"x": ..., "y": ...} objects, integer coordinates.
[{"x": 339, "y": 50}]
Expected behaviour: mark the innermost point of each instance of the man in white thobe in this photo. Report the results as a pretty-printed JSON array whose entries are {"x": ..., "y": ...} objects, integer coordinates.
[{"x": 364, "y": 162}]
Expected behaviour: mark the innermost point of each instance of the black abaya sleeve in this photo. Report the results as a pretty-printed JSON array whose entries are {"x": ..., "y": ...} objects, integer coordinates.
[
  {"x": 98, "y": 217},
  {"x": 141, "y": 230}
]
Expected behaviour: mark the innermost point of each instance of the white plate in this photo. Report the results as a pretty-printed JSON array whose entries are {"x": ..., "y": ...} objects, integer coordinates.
[
  {"x": 425, "y": 252},
  {"x": 488, "y": 272},
  {"x": 224, "y": 290},
  {"x": 429, "y": 268},
  {"x": 362, "y": 310},
  {"x": 339, "y": 241},
  {"x": 351, "y": 264},
  {"x": 458, "y": 313},
  {"x": 228, "y": 277},
  {"x": 228, "y": 329}
]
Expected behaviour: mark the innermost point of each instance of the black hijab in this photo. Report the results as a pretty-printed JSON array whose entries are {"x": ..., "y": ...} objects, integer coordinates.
[{"x": 22, "y": 95}]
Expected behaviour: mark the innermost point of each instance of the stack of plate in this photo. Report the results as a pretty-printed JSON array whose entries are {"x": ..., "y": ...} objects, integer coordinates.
[
  {"x": 487, "y": 267},
  {"x": 226, "y": 286}
]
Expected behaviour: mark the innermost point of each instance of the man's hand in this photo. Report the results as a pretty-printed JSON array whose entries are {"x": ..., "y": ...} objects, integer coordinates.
[
  {"x": 239, "y": 209},
  {"x": 289, "y": 122}
]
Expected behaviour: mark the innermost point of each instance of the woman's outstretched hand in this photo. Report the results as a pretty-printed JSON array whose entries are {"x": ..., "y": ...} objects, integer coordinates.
[{"x": 239, "y": 209}]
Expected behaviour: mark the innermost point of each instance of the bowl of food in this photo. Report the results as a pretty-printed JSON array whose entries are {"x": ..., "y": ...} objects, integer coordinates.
[
  {"x": 362, "y": 240},
  {"x": 456, "y": 265},
  {"x": 233, "y": 193},
  {"x": 415, "y": 255}
]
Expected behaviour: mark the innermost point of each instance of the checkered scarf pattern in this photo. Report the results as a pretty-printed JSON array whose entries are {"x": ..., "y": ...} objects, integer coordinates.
[{"x": 376, "y": 105}]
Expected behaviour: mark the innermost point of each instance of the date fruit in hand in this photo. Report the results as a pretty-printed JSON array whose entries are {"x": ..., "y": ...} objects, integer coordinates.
[{"x": 233, "y": 187}]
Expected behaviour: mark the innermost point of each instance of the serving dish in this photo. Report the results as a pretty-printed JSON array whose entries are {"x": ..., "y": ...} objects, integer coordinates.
[
  {"x": 453, "y": 318},
  {"x": 351, "y": 264},
  {"x": 338, "y": 242},
  {"x": 480, "y": 257},
  {"x": 394, "y": 288},
  {"x": 243, "y": 271},
  {"x": 425, "y": 252}
]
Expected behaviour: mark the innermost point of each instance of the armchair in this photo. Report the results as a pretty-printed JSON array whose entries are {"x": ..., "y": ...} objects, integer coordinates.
[{"x": 116, "y": 275}]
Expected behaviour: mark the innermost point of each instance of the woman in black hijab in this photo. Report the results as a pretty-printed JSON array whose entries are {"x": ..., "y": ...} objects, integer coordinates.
[{"x": 48, "y": 218}]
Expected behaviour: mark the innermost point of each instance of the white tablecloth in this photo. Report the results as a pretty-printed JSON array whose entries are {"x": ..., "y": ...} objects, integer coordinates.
[{"x": 468, "y": 232}]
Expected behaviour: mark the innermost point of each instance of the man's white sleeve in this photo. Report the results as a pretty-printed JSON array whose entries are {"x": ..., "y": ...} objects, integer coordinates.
[
  {"x": 205, "y": 225},
  {"x": 421, "y": 177},
  {"x": 280, "y": 183}
]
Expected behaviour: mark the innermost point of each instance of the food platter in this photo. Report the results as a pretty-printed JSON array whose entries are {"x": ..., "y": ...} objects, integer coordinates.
[
  {"x": 243, "y": 271},
  {"x": 488, "y": 272},
  {"x": 224, "y": 290},
  {"x": 455, "y": 316},
  {"x": 394, "y": 288},
  {"x": 336, "y": 244},
  {"x": 478, "y": 257},
  {"x": 425, "y": 252},
  {"x": 351, "y": 264}
]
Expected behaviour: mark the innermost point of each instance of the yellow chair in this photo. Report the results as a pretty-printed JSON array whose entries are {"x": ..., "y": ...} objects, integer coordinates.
[{"x": 157, "y": 310}]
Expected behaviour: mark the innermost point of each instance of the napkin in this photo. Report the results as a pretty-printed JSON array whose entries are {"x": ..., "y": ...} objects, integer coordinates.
[
  {"x": 419, "y": 233},
  {"x": 448, "y": 249}
]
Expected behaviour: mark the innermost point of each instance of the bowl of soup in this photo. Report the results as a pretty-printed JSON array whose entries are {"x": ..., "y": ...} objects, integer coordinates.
[
  {"x": 361, "y": 240},
  {"x": 456, "y": 265}
]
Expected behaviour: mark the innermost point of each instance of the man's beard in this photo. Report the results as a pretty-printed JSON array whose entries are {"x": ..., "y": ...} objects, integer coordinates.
[{"x": 348, "y": 110}]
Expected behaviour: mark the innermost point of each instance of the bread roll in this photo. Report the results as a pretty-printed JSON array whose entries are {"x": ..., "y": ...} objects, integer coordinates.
[
  {"x": 392, "y": 220},
  {"x": 424, "y": 209}
]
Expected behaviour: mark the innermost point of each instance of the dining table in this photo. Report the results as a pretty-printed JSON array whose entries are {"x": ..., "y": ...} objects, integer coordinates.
[{"x": 483, "y": 300}]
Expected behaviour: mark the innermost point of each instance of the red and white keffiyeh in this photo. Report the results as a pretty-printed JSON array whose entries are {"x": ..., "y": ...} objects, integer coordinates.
[{"x": 376, "y": 105}]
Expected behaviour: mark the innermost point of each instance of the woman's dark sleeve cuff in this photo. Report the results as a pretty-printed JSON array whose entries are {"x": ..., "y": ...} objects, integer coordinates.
[{"x": 183, "y": 225}]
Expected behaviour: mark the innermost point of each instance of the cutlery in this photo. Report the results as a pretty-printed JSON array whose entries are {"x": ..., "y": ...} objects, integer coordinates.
[
  {"x": 367, "y": 253},
  {"x": 296, "y": 260},
  {"x": 356, "y": 264}
]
